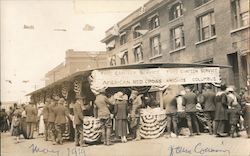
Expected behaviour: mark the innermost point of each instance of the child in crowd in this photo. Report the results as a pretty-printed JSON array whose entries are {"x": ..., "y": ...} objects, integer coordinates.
[{"x": 17, "y": 127}]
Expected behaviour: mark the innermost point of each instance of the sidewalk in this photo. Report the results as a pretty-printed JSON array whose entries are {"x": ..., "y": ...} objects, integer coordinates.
[{"x": 204, "y": 145}]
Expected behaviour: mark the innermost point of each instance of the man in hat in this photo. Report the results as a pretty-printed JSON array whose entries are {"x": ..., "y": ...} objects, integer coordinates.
[
  {"x": 45, "y": 117},
  {"x": 31, "y": 118},
  {"x": 51, "y": 121},
  {"x": 190, "y": 101},
  {"x": 103, "y": 113},
  {"x": 209, "y": 106},
  {"x": 60, "y": 119},
  {"x": 78, "y": 121}
]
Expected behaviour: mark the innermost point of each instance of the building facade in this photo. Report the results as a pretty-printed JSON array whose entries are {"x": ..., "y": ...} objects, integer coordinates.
[
  {"x": 76, "y": 61},
  {"x": 185, "y": 31}
]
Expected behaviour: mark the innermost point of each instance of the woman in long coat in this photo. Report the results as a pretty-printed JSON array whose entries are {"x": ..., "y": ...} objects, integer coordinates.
[
  {"x": 221, "y": 114},
  {"x": 121, "y": 113}
]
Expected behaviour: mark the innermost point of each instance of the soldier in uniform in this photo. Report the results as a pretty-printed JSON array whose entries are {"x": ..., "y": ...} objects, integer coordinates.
[
  {"x": 51, "y": 121},
  {"x": 78, "y": 121},
  {"x": 31, "y": 116},
  {"x": 137, "y": 104},
  {"x": 190, "y": 101},
  {"x": 45, "y": 117},
  {"x": 60, "y": 120},
  {"x": 103, "y": 113}
]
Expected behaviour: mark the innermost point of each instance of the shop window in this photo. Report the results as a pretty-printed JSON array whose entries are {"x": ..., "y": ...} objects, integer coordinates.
[
  {"x": 138, "y": 54},
  {"x": 123, "y": 38},
  {"x": 155, "y": 46},
  {"x": 206, "y": 26},
  {"x": 240, "y": 11},
  {"x": 200, "y": 2},
  {"x": 154, "y": 22},
  {"x": 124, "y": 58},
  {"x": 177, "y": 35},
  {"x": 176, "y": 11}
]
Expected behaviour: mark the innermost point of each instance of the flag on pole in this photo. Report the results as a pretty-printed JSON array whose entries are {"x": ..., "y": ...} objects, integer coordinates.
[{"x": 9, "y": 81}]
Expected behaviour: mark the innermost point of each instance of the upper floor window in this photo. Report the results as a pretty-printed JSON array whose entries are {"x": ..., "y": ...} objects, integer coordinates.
[
  {"x": 111, "y": 45},
  {"x": 138, "y": 54},
  {"x": 206, "y": 26},
  {"x": 154, "y": 22},
  {"x": 123, "y": 38},
  {"x": 240, "y": 10},
  {"x": 176, "y": 11},
  {"x": 177, "y": 35},
  {"x": 113, "y": 61},
  {"x": 124, "y": 57},
  {"x": 155, "y": 46},
  {"x": 200, "y": 2},
  {"x": 136, "y": 33}
]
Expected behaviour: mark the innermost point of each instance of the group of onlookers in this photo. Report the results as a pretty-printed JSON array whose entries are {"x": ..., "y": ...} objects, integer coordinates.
[
  {"x": 120, "y": 115},
  {"x": 222, "y": 110}
]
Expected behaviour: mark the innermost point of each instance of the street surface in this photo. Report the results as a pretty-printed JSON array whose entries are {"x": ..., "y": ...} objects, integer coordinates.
[{"x": 203, "y": 145}]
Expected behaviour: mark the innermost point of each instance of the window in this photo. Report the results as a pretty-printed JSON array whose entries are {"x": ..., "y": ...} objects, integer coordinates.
[
  {"x": 176, "y": 11},
  {"x": 113, "y": 61},
  {"x": 123, "y": 38},
  {"x": 124, "y": 58},
  {"x": 200, "y": 2},
  {"x": 206, "y": 26},
  {"x": 178, "y": 40},
  {"x": 136, "y": 33},
  {"x": 240, "y": 10},
  {"x": 138, "y": 54},
  {"x": 154, "y": 22},
  {"x": 155, "y": 46},
  {"x": 110, "y": 45}
]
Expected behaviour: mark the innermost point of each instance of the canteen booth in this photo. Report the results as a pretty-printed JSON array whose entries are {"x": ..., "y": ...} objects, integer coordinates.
[{"x": 151, "y": 80}]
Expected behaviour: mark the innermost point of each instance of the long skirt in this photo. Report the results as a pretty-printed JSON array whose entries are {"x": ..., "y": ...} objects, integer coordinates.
[
  {"x": 24, "y": 127},
  {"x": 41, "y": 128},
  {"x": 247, "y": 118},
  {"x": 121, "y": 127}
]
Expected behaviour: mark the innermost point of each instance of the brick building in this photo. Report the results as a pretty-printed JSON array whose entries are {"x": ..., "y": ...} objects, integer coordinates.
[
  {"x": 185, "y": 31},
  {"x": 76, "y": 61}
]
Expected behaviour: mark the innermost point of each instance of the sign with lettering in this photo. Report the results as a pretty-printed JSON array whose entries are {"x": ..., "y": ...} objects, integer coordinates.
[{"x": 156, "y": 76}]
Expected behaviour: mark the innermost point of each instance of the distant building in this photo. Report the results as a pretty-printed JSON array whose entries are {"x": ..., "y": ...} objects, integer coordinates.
[
  {"x": 76, "y": 61},
  {"x": 7, "y": 104},
  {"x": 185, "y": 31}
]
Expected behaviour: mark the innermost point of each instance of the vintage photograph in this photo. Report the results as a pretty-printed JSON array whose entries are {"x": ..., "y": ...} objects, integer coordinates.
[{"x": 125, "y": 78}]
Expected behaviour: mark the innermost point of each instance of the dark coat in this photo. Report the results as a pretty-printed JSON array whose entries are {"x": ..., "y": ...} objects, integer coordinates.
[
  {"x": 209, "y": 100},
  {"x": 31, "y": 113},
  {"x": 190, "y": 101},
  {"x": 221, "y": 107},
  {"x": 60, "y": 114},
  {"x": 45, "y": 112},
  {"x": 121, "y": 110},
  {"x": 78, "y": 114},
  {"x": 52, "y": 116}
]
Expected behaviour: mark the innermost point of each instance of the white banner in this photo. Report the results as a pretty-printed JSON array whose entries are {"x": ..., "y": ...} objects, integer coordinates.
[{"x": 156, "y": 76}]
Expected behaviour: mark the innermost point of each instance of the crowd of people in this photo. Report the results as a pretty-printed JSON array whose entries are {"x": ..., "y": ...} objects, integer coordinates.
[{"x": 119, "y": 115}]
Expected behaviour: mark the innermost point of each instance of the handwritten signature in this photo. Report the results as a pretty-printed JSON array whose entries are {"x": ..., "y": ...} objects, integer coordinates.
[
  {"x": 70, "y": 151},
  {"x": 198, "y": 149}
]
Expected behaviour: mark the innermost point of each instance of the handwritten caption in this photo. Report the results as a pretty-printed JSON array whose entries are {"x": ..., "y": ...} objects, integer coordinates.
[{"x": 75, "y": 151}]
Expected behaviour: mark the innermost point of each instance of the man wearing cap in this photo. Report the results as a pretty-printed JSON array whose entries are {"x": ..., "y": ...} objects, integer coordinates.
[
  {"x": 190, "y": 101},
  {"x": 209, "y": 106},
  {"x": 51, "y": 121},
  {"x": 31, "y": 116},
  {"x": 78, "y": 121},
  {"x": 60, "y": 120},
  {"x": 103, "y": 113},
  {"x": 45, "y": 117}
]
